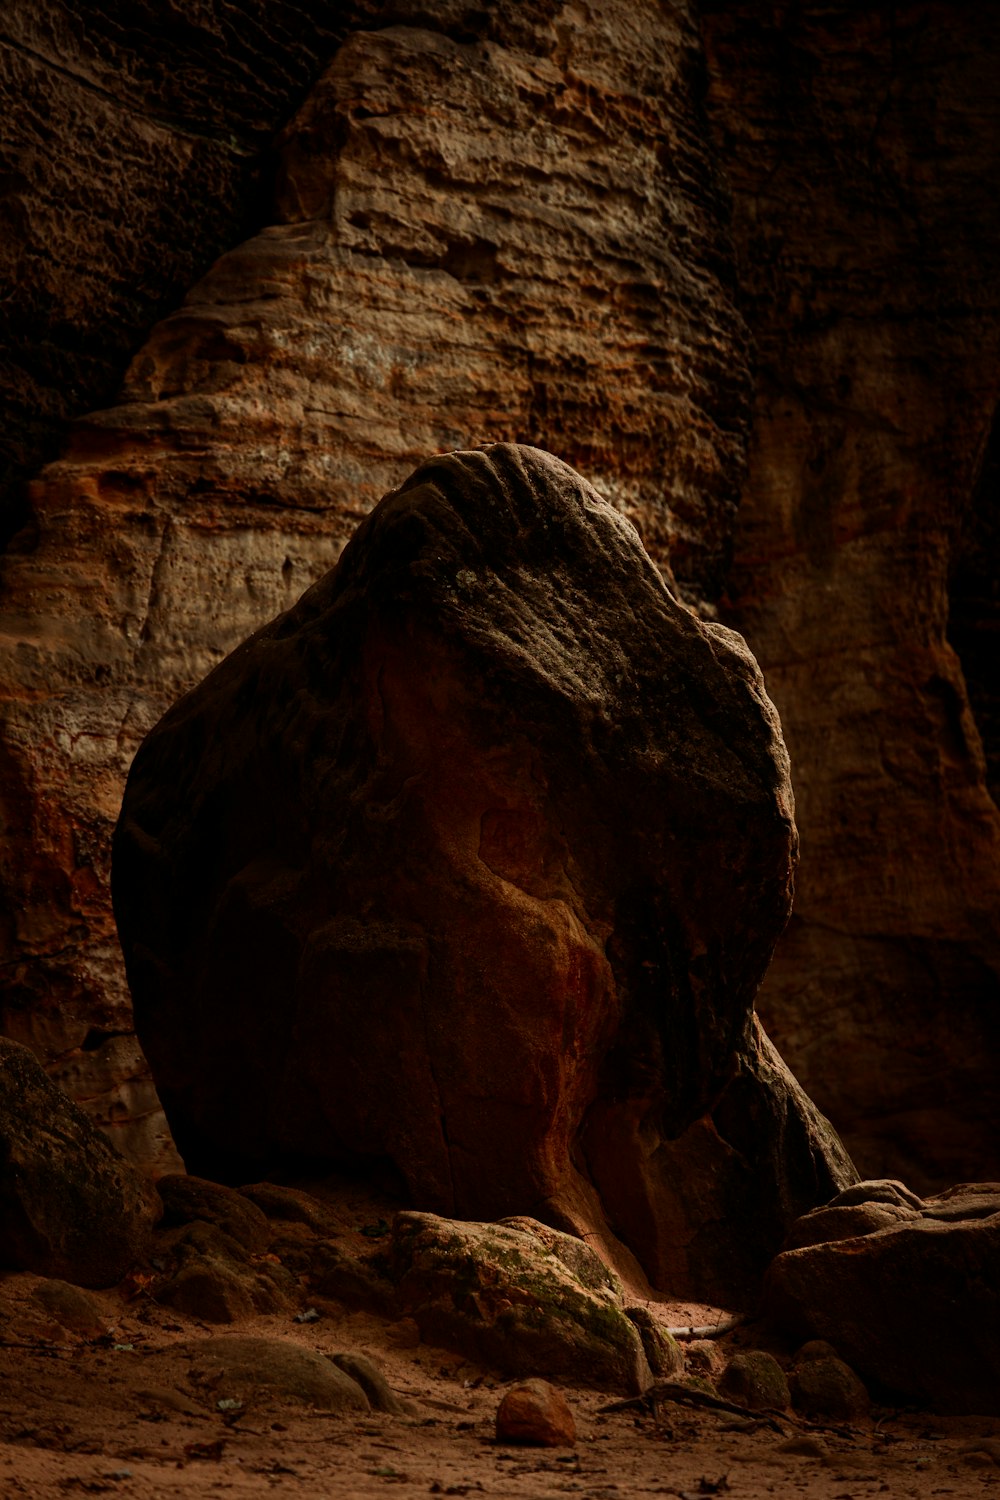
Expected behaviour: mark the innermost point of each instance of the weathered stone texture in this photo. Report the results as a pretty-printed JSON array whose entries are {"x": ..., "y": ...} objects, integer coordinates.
[
  {"x": 70, "y": 1205},
  {"x": 513, "y": 237},
  {"x": 131, "y": 156},
  {"x": 858, "y": 142}
]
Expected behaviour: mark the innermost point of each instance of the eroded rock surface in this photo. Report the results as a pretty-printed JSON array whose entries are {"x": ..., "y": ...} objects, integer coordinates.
[
  {"x": 473, "y": 860},
  {"x": 70, "y": 1205}
]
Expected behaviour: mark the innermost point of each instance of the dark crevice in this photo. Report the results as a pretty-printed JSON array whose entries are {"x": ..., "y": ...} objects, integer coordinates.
[{"x": 974, "y": 605}]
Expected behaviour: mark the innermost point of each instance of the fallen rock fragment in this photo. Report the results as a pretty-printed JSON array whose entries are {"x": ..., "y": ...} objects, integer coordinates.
[
  {"x": 291, "y": 1205},
  {"x": 824, "y": 1386},
  {"x": 72, "y": 1308},
  {"x": 235, "y": 1367},
  {"x": 500, "y": 1296},
  {"x": 754, "y": 1379},
  {"x": 70, "y": 1206},
  {"x": 663, "y": 1353},
  {"x": 492, "y": 840},
  {"x": 913, "y": 1307},
  {"x": 535, "y": 1413},
  {"x": 188, "y": 1199},
  {"x": 216, "y": 1279}
]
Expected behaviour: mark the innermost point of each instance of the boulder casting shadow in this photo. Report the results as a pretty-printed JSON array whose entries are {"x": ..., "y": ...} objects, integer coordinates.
[{"x": 474, "y": 861}]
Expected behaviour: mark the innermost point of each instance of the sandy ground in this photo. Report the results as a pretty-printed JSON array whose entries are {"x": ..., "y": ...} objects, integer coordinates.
[
  {"x": 121, "y": 1410},
  {"x": 124, "y": 1418}
]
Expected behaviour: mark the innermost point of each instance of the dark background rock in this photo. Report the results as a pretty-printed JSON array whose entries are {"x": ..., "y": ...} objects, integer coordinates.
[
  {"x": 473, "y": 861},
  {"x": 70, "y": 1206},
  {"x": 857, "y": 142}
]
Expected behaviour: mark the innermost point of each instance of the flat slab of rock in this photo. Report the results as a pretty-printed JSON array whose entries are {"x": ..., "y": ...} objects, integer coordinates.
[
  {"x": 474, "y": 860},
  {"x": 70, "y": 1206},
  {"x": 913, "y": 1307}
]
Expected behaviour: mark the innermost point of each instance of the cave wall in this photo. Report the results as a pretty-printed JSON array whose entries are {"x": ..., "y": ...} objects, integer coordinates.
[{"x": 737, "y": 263}]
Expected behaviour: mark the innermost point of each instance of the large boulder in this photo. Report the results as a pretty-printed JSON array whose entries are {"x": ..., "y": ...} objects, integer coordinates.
[
  {"x": 70, "y": 1206},
  {"x": 914, "y": 1305},
  {"x": 474, "y": 860}
]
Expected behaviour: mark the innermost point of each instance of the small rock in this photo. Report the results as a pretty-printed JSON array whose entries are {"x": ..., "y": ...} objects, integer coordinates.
[
  {"x": 292, "y": 1205},
  {"x": 804, "y": 1446},
  {"x": 534, "y": 1412},
  {"x": 72, "y": 1308},
  {"x": 218, "y": 1281},
  {"x": 168, "y": 1398},
  {"x": 335, "y": 1274},
  {"x": 756, "y": 1380},
  {"x": 210, "y": 1292},
  {"x": 987, "y": 1447},
  {"x": 815, "y": 1349},
  {"x": 663, "y": 1353},
  {"x": 189, "y": 1199},
  {"x": 826, "y": 1387},
  {"x": 371, "y": 1380},
  {"x": 246, "y": 1364}
]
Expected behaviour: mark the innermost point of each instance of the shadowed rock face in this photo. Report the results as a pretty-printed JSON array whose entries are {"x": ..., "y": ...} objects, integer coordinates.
[
  {"x": 857, "y": 142},
  {"x": 474, "y": 859}
]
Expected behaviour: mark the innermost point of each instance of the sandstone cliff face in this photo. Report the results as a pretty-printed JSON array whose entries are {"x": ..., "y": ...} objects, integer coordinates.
[
  {"x": 132, "y": 156},
  {"x": 856, "y": 143},
  {"x": 512, "y": 237}
]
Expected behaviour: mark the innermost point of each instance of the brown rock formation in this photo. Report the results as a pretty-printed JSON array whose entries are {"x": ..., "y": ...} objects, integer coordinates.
[
  {"x": 474, "y": 860},
  {"x": 540, "y": 255},
  {"x": 859, "y": 143}
]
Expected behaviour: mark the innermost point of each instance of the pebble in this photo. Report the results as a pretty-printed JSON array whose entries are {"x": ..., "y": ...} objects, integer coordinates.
[{"x": 536, "y": 1413}]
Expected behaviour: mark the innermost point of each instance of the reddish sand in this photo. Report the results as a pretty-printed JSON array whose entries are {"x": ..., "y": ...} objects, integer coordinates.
[{"x": 121, "y": 1414}]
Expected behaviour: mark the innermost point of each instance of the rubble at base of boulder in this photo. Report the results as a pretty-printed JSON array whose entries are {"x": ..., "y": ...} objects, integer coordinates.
[{"x": 914, "y": 1306}]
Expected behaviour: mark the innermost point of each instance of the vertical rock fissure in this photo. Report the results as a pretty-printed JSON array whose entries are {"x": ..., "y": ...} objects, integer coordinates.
[{"x": 974, "y": 605}]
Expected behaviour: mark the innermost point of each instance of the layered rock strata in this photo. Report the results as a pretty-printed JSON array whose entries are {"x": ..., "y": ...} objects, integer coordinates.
[
  {"x": 509, "y": 232},
  {"x": 473, "y": 860}
]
